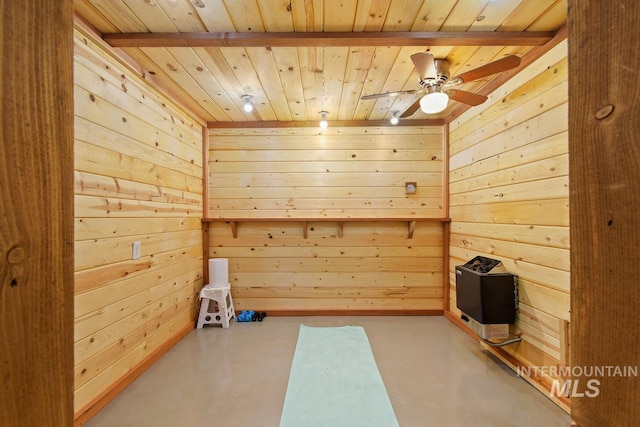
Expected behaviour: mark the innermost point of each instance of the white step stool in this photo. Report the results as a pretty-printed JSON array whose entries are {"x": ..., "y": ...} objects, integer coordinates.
[{"x": 223, "y": 310}]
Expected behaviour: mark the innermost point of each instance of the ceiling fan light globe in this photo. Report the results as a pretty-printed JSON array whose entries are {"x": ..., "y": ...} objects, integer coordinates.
[{"x": 434, "y": 102}]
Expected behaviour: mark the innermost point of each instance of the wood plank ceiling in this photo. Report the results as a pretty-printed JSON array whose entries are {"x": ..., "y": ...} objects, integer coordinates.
[{"x": 299, "y": 57}]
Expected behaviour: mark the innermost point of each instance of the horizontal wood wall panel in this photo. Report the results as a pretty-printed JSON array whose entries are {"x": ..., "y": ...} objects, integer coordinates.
[
  {"x": 351, "y": 204},
  {"x": 97, "y": 252},
  {"x": 342, "y": 173},
  {"x": 323, "y": 153},
  {"x": 313, "y": 192},
  {"x": 553, "y": 167},
  {"x": 103, "y": 186},
  {"x": 341, "y": 304},
  {"x": 117, "y": 86},
  {"x": 326, "y": 213},
  {"x": 544, "y": 91},
  {"x": 355, "y": 241},
  {"x": 552, "y": 98},
  {"x": 539, "y": 127},
  {"x": 550, "y": 147},
  {"x": 373, "y": 266},
  {"x": 97, "y": 228},
  {"x": 90, "y": 367},
  {"x": 557, "y": 237},
  {"x": 429, "y": 132},
  {"x": 551, "y": 277},
  {"x": 90, "y": 107},
  {"x": 327, "y": 264},
  {"x": 138, "y": 177},
  {"x": 86, "y": 393},
  {"x": 369, "y": 139},
  {"x": 533, "y": 80},
  {"x": 509, "y": 200},
  {"x": 372, "y": 166},
  {"x": 323, "y": 251},
  {"x": 370, "y": 228},
  {"x": 92, "y": 206},
  {"x": 331, "y": 292},
  {"x": 91, "y": 158},
  {"x": 103, "y": 337},
  {"x": 381, "y": 279},
  {"x": 124, "y": 145},
  {"x": 100, "y": 298},
  {"x": 327, "y": 179},
  {"x": 548, "y": 212},
  {"x": 551, "y": 188},
  {"x": 108, "y": 314},
  {"x": 536, "y": 254},
  {"x": 96, "y": 277}
]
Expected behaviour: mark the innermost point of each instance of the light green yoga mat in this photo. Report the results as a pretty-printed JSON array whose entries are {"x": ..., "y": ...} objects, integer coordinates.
[{"x": 334, "y": 382}]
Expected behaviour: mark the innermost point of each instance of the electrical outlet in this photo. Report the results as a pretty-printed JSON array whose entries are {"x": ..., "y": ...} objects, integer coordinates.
[{"x": 135, "y": 252}]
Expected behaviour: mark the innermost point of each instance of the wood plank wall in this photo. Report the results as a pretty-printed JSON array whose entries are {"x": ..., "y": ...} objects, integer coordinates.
[
  {"x": 138, "y": 177},
  {"x": 356, "y": 172},
  {"x": 341, "y": 173},
  {"x": 509, "y": 200}
]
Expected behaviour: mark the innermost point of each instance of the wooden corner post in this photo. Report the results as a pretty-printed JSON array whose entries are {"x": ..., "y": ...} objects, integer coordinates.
[{"x": 36, "y": 205}]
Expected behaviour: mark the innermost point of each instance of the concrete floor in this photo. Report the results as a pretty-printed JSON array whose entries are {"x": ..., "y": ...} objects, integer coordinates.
[{"x": 434, "y": 373}]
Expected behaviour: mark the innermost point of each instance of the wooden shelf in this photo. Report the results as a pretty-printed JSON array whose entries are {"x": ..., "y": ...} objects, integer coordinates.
[{"x": 411, "y": 222}]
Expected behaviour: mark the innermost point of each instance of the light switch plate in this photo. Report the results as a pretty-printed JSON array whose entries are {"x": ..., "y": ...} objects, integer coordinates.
[{"x": 135, "y": 252}]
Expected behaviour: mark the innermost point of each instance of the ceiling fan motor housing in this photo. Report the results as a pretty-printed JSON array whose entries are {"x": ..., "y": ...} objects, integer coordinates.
[{"x": 442, "y": 71}]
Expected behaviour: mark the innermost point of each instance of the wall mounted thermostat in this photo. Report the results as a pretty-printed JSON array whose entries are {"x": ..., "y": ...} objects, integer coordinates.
[{"x": 410, "y": 187}]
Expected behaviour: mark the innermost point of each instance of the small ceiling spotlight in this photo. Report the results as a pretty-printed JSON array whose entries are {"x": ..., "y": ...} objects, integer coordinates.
[
  {"x": 323, "y": 121},
  {"x": 248, "y": 106},
  {"x": 394, "y": 118}
]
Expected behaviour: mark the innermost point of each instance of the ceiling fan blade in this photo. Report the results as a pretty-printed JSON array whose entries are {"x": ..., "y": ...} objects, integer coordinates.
[
  {"x": 425, "y": 65},
  {"x": 466, "y": 97},
  {"x": 411, "y": 110},
  {"x": 504, "y": 64},
  {"x": 382, "y": 95}
]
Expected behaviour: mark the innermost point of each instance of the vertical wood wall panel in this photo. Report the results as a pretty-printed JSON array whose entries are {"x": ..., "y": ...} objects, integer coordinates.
[
  {"x": 341, "y": 173},
  {"x": 138, "y": 177},
  {"x": 36, "y": 207},
  {"x": 605, "y": 189},
  {"x": 510, "y": 198}
]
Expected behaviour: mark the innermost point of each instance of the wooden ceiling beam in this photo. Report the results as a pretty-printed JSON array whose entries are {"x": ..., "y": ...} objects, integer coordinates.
[{"x": 317, "y": 39}]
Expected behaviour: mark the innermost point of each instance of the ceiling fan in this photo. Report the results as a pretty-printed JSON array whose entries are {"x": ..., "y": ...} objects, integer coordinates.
[{"x": 439, "y": 88}]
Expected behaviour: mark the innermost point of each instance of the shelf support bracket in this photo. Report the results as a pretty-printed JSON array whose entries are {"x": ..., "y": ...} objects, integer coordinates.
[
  {"x": 340, "y": 229},
  {"x": 234, "y": 228},
  {"x": 411, "y": 225}
]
